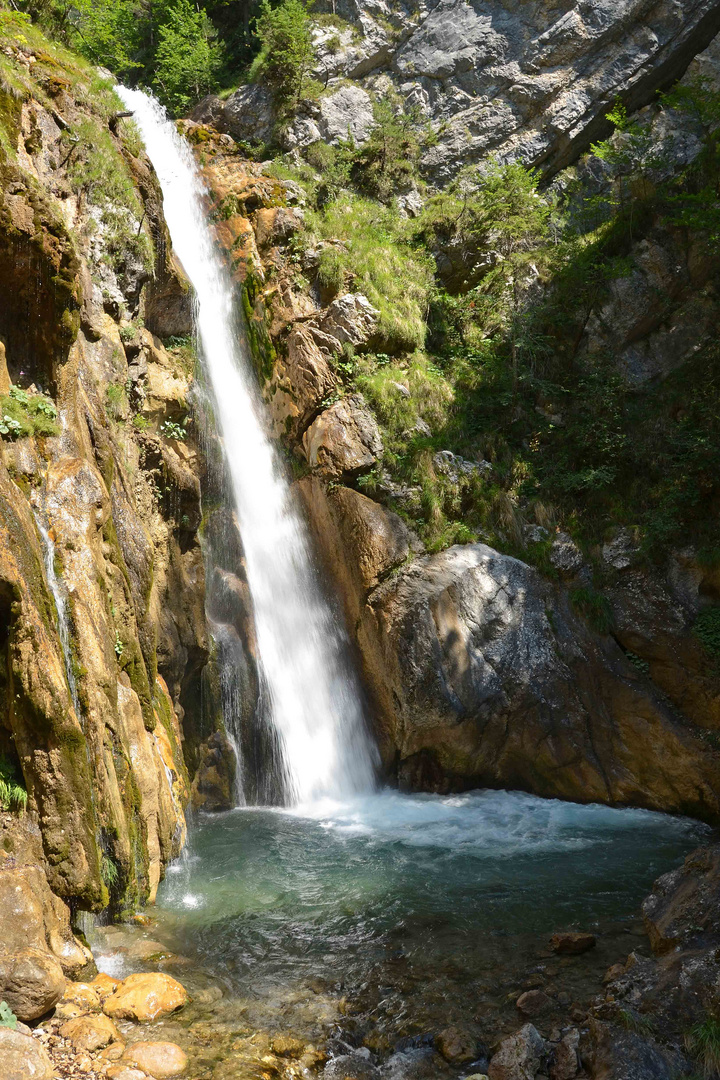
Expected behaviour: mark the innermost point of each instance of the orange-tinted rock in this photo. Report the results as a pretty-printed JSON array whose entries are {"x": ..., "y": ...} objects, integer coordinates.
[
  {"x": 161, "y": 1060},
  {"x": 104, "y": 985},
  {"x": 83, "y": 995},
  {"x": 90, "y": 1032},
  {"x": 145, "y": 997}
]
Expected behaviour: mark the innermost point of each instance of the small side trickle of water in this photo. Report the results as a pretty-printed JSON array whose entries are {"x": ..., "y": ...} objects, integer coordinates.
[
  {"x": 63, "y": 622},
  {"x": 314, "y": 700}
]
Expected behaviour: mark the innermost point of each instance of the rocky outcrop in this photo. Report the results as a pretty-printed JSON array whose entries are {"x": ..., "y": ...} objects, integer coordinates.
[
  {"x": 345, "y": 439},
  {"x": 534, "y": 84},
  {"x": 102, "y": 632}
]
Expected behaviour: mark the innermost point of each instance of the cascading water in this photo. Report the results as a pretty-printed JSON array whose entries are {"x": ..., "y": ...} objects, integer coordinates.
[
  {"x": 63, "y": 623},
  {"x": 314, "y": 700}
]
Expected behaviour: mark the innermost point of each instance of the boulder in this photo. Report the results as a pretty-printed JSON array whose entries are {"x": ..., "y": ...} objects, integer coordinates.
[
  {"x": 485, "y": 674},
  {"x": 532, "y": 1003},
  {"x": 22, "y": 1057},
  {"x": 345, "y": 439},
  {"x": 350, "y": 319},
  {"x": 275, "y": 225},
  {"x": 104, "y": 985},
  {"x": 565, "y": 1062},
  {"x": 90, "y": 1032},
  {"x": 248, "y": 114},
  {"x": 346, "y": 114},
  {"x": 161, "y": 1060},
  {"x": 125, "y": 1072},
  {"x": 572, "y": 943},
  {"x": 684, "y": 904},
  {"x": 457, "y": 1045},
  {"x": 146, "y": 997},
  {"x": 83, "y": 995},
  {"x": 519, "y": 1056},
  {"x": 31, "y": 981}
]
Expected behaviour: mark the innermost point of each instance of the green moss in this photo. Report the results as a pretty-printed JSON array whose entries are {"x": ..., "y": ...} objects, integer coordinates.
[
  {"x": 262, "y": 349},
  {"x": 707, "y": 630}
]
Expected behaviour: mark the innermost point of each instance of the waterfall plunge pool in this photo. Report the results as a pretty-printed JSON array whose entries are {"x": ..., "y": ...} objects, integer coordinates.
[{"x": 390, "y": 917}]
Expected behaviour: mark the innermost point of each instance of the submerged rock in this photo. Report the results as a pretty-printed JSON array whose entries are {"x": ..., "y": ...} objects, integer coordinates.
[
  {"x": 161, "y": 1060},
  {"x": 572, "y": 943}
]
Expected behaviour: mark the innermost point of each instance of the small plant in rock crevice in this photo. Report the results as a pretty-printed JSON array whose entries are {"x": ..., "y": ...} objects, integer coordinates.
[
  {"x": 13, "y": 795},
  {"x": 703, "y": 1042},
  {"x": 8, "y": 1019}
]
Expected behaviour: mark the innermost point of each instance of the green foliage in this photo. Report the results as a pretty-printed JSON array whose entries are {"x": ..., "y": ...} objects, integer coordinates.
[
  {"x": 375, "y": 257},
  {"x": 116, "y": 401},
  {"x": 187, "y": 58},
  {"x": 8, "y": 1019},
  {"x": 707, "y": 630},
  {"x": 172, "y": 430},
  {"x": 13, "y": 795},
  {"x": 331, "y": 270},
  {"x": 286, "y": 54},
  {"x": 593, "y": 606},
  {"x": 97, "y": 171},
  {"x": 109, "y": 872},
  {"x": 119, "y": 645},
  {"x": 388, "y": 161},
  {"x": 703, "y": 1042},
  {"x": 23, "y": 414}
]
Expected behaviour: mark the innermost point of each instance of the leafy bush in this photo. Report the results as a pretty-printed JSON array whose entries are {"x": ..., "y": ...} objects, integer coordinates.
[
  {"x": 22, "y": 414},
  {"x": 13, "y": 795},
  {"x": 388, "y": 161}
]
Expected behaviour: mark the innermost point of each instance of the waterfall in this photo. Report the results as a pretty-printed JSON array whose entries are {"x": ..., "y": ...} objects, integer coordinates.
[
  {"x": 312, "y": 694},
  {"x": 63, "y": 623}
]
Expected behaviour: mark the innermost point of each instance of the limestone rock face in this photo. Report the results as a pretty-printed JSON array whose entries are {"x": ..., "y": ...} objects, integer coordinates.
[
  {"x": 301, "y": 381},
  {"x": 472, "y": 658},
  {"x": 214, "y": 784},
  {"x": 22, "y": 1057},
  {"x": 533, "y": 83},
  {"x": 349, "y": 319},
  {"x": 344, "y": 439}
]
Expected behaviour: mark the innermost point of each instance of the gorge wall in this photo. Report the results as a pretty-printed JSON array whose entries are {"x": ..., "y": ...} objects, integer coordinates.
[{"x": 520, "y": 657}]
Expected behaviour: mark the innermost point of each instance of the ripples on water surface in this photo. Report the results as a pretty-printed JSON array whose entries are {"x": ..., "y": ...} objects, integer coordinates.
[{"x": 266, "y": 895}]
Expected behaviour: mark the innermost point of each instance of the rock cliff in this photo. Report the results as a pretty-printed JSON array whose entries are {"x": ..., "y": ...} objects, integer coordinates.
[{"x": 102, "y": 629}]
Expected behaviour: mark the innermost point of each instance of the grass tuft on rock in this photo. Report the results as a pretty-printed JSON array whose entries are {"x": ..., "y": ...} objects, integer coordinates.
[{"x": 13, "y": 795}]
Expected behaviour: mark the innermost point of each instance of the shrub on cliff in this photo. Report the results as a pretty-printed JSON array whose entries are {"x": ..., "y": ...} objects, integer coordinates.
[{"x": 286, "y": 54}]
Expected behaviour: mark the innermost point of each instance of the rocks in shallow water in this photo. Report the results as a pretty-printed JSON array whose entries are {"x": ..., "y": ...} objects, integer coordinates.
[
  {"x": 22, "y": 1057},
  {"x": 287, "y": 1046},
  {"x": 572, "y": 943},
  {"x": 418, "y": 1063},
  {"x": 457, "y": 1045},
  {"x": 161, "y": 1060},
  {"x": 125, "y": 1072},
  {"x": 90, "y": 1032},
  {"x": 146, "y": 997},
  {"x": 532, "y": 1003},
  {"x": 519, "y": 1056},
  {"x": 83, "y": 995},
  {"x": 104, "y": 985},
  {"x": 355, "y": 1066}
]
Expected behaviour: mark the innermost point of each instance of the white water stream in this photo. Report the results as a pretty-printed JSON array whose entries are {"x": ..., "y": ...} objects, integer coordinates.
[
  {"x": 63, "y": 623},
  {"x": 315, "y": 700}
]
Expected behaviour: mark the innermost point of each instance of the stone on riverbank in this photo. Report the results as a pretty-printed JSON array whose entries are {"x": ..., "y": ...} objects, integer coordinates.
[
  {"x": 90, "y": 1032},
  {"x": 518, "y": 1057},
  {"x": 22, "y": 1057},
  {"x": 145, "y": 997}
]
